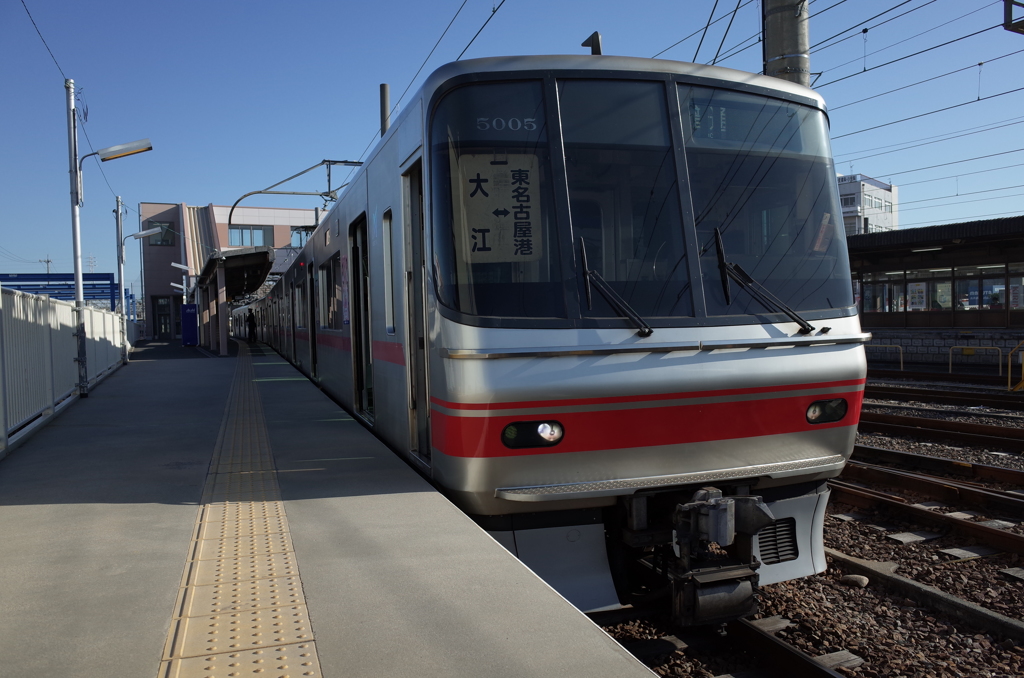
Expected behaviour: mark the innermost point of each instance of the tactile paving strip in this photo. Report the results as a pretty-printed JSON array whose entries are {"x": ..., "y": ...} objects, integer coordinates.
[
  {"x": 298, "y": 659},
  {"x": 240, "y": 610}
]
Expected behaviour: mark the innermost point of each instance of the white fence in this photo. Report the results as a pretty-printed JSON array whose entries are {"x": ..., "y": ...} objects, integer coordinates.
[{"x": 38, "y": 370}]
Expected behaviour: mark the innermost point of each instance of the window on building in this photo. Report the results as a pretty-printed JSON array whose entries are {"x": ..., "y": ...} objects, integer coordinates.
[
  {"x": 981, "y": 287},
  {"x": 1014, "y": 287},
  {"x": 849, "y": 200},
  {"x": 930, "y": 289},
  {"x": 888, "y": 206},
  {"x": 251, "y": 236},
  {"x": 883, "y": 292},
  {"x": 301, "y": 235},
  {"x": 166, "y": 235}
]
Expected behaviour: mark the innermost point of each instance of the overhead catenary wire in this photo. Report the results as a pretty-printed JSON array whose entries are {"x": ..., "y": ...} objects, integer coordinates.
[
  {"x": 957, "y": 220},
  {"x": 908, "y": 56},
  {"x": 962, "y": 174},
  {"x": 856, "y": 26},
  {"x": 900, "y": 42},
  {"x": 921, "y": 82},
  {"x": 473, "y": 39},
  {"x": 921, "y": 115},
  {"x": 936, "y": 141},
  {"x": 413, "y": 79},
  {"x": 729, "y": 27},
  {"x": 947, "y": 164},
  {"x": 958, "y": 195},
  {"x": 40, "y": 33},
  {"x": 936, "y": 136},
  {"x": 954, "y": 204},
  {"x": 679, "y": 42},
  {"x": 707, "y": 25}
]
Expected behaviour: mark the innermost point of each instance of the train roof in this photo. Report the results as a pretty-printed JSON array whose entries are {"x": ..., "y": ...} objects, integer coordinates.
[
  {"x": 599, "y": 63},
  {"x": 605, "y": 62}
]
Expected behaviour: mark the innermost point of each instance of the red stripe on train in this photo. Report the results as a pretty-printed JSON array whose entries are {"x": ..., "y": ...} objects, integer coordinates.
[
  {"x": 334, "y": 341},
  {"x": 389, "y": 351},
  {"x": 645, "y": 427},
  {"x": 643, "y": 398}
]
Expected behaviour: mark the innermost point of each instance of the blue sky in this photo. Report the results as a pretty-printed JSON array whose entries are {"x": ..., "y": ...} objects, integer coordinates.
[{"x": 239, "y": 95}]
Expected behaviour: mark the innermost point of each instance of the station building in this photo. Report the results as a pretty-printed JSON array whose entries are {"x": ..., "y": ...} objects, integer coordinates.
[
  {"x": 936, "y": 289},
  {"x": 212, "y": 262}
]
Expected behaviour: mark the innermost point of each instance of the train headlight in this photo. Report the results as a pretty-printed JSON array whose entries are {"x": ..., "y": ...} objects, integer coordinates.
[
  {"x": 826, "y": 411},
  {"x": 522, "y": 434}
]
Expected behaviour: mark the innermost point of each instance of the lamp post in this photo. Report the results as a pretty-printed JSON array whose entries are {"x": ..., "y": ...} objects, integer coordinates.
[
  {"x": 109, "y": 153},
  {"x": 120, "y": 275}
]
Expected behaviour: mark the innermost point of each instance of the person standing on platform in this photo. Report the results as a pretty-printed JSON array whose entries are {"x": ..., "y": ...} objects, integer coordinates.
[{"x": 250, "y": 321}]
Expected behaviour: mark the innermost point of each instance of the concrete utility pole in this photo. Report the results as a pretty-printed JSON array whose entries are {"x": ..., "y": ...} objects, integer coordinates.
[
  {"x": 787, "y": 40},
  {"x": 76, "y": 188}
]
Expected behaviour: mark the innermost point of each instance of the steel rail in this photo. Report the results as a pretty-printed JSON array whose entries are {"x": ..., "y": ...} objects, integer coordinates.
[
  {"x": 925, "y": 462},
  {"x": 1015, "y": 403},
  {"x": 979, "y": 435},
  {"x": 939, "y": 489},
  {"x": 782, "y": 659},
  {"x": 871, "y": 499},
  {"x": 959, "y": 379}
]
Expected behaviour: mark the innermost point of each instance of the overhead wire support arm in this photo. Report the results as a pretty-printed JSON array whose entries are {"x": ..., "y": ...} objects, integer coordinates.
[{"x": 329, "y": 194}]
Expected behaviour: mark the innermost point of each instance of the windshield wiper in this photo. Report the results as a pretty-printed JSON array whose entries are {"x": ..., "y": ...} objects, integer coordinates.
[
  {"x": 611, "y": 296},
  {"x": 756, "y": 289}
]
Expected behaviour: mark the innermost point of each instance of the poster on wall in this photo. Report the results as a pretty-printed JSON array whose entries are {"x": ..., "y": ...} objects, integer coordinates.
[{"x": 916, "y": 295}]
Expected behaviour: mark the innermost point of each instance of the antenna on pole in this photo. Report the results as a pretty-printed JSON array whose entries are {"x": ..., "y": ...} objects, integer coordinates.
[{"x": 593, "y": 42}]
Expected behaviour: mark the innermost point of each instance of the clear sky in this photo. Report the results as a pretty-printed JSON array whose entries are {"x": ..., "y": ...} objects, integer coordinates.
[{"x": 239, "y": 95}]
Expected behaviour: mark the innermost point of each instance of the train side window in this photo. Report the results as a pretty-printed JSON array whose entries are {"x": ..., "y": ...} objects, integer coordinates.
[
  {"x": 328, "y": 293},
  {"x": 389, "y": 293},
  {"x": 300, "y": 306}
]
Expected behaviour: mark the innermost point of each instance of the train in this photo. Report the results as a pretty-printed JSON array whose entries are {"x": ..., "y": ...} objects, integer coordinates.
[{"x": 604, "y": 304}]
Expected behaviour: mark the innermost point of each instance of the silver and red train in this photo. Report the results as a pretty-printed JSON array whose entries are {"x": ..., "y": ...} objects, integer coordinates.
[{"x": 604, "y": 304}]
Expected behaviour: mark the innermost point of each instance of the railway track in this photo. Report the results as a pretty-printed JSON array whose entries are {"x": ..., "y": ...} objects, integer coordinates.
[
  {"x": 1007, "y": 401},
  {"x": 743, "y": 647},
  {"x": 979, "y": 435}
]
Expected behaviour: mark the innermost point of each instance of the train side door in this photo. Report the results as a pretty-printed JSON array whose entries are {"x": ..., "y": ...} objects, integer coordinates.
[
  {"x": 314, "y": 321},
  {"x": 362, "y": 358},
  {"x": 415, "y": 272}
]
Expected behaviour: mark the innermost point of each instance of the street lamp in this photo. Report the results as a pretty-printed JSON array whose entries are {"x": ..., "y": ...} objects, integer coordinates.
[
  {"x": 109, "y": 153},
  {"x": 120, "y": 275}
]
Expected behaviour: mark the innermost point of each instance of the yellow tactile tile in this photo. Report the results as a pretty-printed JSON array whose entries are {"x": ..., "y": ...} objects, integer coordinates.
[
  {"x": 198, "y": 601},
  {"x": 234, "y": 631},
  {"x": 268, "y": 495},
  {"x": 240, "y": 610},
  {"x": 286, "y": 661},
  {"x": 223, "y": 529},
  {"x": 242, "y": 569},
  {"x": 237, "y": 547},
  {"x": 241, "y": 510}
]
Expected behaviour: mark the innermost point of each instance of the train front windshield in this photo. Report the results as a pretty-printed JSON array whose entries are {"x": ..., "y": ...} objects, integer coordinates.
[{"x": 514, "y": 215}]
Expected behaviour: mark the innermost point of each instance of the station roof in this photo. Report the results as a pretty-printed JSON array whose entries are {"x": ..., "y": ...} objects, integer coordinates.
[
  {"x": 245, "y": 269},
  {"x": 988, "y": 241}
]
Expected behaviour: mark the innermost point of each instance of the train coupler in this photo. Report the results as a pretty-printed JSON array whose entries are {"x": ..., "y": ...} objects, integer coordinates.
[{"x": 714, "y": 576}]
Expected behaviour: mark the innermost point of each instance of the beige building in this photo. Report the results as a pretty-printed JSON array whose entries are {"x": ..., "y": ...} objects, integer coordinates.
[{"x": 199, "y": 257}]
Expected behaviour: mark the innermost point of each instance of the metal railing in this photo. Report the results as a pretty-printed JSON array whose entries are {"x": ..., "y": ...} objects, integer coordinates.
[
  {"x": 977, "y": 348},
  {"x": 1009, "y": 369},
  {"x": 895, "y": 346},
  {"x": 38, "y": 351}
]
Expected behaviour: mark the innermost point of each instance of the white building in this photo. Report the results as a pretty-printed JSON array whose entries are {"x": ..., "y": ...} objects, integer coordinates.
[{"x": 869, "y": 205}]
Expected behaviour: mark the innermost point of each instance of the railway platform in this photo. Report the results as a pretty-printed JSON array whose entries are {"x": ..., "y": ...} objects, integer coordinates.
[{"x": 216, "y": 517}]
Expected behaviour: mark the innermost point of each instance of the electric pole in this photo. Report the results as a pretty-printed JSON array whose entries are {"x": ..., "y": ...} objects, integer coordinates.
[
  {"x": 47, "y": 262},
  {"x": 787, "y": 40}
]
